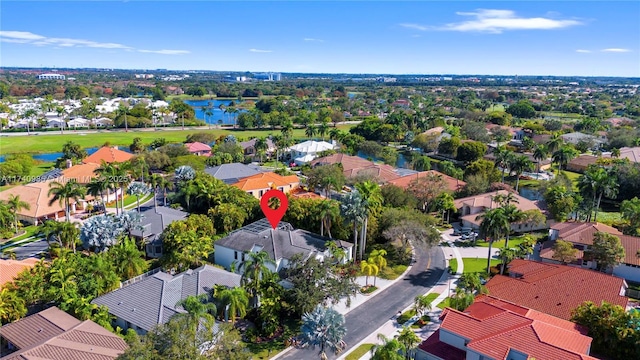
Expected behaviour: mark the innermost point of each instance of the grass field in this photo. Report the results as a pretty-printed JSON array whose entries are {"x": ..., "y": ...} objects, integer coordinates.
[
  {"x": 472, "y": 265},
  {"x": 499, "y": 244},
  {"x": 359, "y": 352},
  {"x": 53, "y": 142},
  {"x": 561, "y": 115}
]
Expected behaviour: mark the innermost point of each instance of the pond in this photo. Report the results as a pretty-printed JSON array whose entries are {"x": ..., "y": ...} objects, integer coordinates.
[
  {"x": 531, "y": 193},
  {"x": 217, "y": 114}
]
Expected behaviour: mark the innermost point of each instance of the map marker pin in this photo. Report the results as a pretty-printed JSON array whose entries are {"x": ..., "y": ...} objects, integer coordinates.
[{"x": 274, "y": 215}]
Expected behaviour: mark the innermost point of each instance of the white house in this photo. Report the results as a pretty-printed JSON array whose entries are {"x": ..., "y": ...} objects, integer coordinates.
[
  {"x": 307, "y": 151},
  {"x": 78, "y": 122},
  {"x": 281, "y": 244},
  {"x": 55, "y": 123}
]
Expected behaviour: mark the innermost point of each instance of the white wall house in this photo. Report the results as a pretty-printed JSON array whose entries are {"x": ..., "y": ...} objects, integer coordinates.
[{"x": 307, "y": 151}]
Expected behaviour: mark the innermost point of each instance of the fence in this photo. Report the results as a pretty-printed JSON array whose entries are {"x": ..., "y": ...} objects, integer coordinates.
[{"x": 139, "y": 277}]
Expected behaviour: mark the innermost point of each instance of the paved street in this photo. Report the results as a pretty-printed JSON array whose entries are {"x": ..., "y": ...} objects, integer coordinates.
[
  {"x": 425, "y": 273},
  {"x": 31, "y": 249}
]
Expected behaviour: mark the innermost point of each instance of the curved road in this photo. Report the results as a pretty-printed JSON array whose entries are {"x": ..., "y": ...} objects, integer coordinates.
[{"x": 369, "y": 316}]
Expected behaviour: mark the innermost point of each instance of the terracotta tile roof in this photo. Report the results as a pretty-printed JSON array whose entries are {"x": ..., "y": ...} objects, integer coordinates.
[
  {"x": 486, "y": 201},
  {"x": 582, "y": 232},
  {"x": 555, "y": 289},
  {"x": 53, "y": 334},
  {"x": 633, "y": 154},
  {"x": 299, "y": 193},
  {"x": 82, "y": 173},
  {"x": 197, "y": 146},
  {"x": 434, "y": 346},
  {"x": 348, "y": 162},
  {"x": 9, "y": 269},
  {"x": 453, "y": 184},
  {"x": 109, "y": 155},
  {"x": 583, "y": 160},
  {"x": 37, "y": 196},
  {"x": 631, "y": 246},
  {"x": 436, "y": 130},
  {"x": 547, "y": 251},
  {"x": 266, "y": 181},
  {"x": 494, "y": 328},
  {"x": 384, "y": 173}
]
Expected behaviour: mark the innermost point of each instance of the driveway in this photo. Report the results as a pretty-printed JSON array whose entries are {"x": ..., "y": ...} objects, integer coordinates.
[
  {"x": 32, "y": 249},
  {"x": 364, "y": 319}
]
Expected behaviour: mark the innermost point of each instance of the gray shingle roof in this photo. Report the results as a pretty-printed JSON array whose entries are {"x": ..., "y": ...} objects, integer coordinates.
[
  {"x": 232, "y": 173},
  {"x": 153, "y": 223},
  {"x": 281, "y": 243},
  {"x": 152, "y": 301}
]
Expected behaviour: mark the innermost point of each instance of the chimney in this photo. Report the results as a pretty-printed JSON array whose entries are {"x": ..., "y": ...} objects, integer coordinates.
[{"x": 69, "y": 163}]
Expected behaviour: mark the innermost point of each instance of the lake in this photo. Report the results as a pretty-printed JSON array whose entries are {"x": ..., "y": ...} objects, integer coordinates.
[
  {"x": 400, "y": 163},
  {"x": 217, "y": 113}
]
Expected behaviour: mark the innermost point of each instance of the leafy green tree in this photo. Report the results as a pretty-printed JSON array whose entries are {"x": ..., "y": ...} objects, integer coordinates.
[
  {"x": 561, "y": 202},
  {"x": 461, "y": 299},
  {"x": 597, "y": 181},
  {"x": 128, "y": 260},
  {"x": 444, "y": 203},
  {"x": 187, "y": 243},
  {"x": 564, "y": 252},
  {"x": 521, "y": 164},
  {"x": 563, "y": 155},
  {"x": 327, "y": 177},
  {"x": 390, "y": 349},
  {"x": 607, "y": 250},
  {"x": 522, "y": 109},
  {"x": 325, "y": 328},
  {"x": 613, "y": 329},
  {"x": 630, "y": 210},
  {"x": 64, "y": 192},
  {"x": 409, "y": 340},
  {"x": 12, "y": 307},
  {"x": 228, "y": 217},
  {"x": 64, "y": 234},
  {"x": 413, "y": 233},
  {"x": 471, "y": 282},
  {"x": 449, "y": 146},
  {"x": 397, "y": 197},
  {"x": 471, "y": 151}
]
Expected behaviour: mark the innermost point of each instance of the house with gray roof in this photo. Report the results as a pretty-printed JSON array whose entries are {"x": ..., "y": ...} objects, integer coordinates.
[
  {"x": 232, "y": 173},
  {"x": 151, "y": 301},
  {"x": 249, "y": 148},
  {"x": 281, "y": 243},
  {"x": 154, "y": 221}
]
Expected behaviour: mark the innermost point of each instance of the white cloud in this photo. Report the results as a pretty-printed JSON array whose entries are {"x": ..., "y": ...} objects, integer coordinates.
[
  {"x": 496, "y": 21},
  {"x": 616, "y": 50},
  {"x": 583, "y": 51},
  {"x": 25, "y": 37},
  {"x": 260, "y": 51},
  {"x": 166, "y": 52},
  {"x": 415, "y": 27},
  {"x": 313, "y": 40}
]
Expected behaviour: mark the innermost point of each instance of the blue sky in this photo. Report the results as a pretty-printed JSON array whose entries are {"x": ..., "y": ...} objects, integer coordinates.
[{"x": 587, "y": 38}]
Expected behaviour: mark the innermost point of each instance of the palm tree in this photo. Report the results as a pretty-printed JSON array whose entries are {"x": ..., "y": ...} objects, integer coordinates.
[
  {"x": 372, "y": 203},
  {"x": 198, "y": 308},
  {"x": 563, "y": 155},
  {"x": 65, "y": 192},
  {"x": 513, "y": 215},
  {"x": 540, "y": 153},
  {"x": 598, "y": 181},
  {"x": 327, "y": 211},
  {"x": 12, "y": 306},
  {"x": 323, "y": 129},
  {"x": 353, "y": 209},
  {"x": 555, "y": 143},
  {"x": 323, "y": 327},
  {"x": 60, "y": 112},
  {"x": 409, "y": 341},
  {"x": 123, "y": 110},
  {"x": 154, "y": 181},
  {"x": 501, "y": 158},
  {"x": 630, "y": 210},
  {"x": 310, "y": 131},
  {"x": 261, "y": 146},
  {"x": 208, "y": 113},
  {"x": 505, "y": 255},
  {"x": 369, "y": 268},
  {"x": 65, "y": 234},
  {"x": 164, "y": 184},
  {"x": 236, "y": 301},
  {"x": 97, "y": 187},
  {"x": 378, "y": 258},
  {"x": 254, "y": 269},
  {"x": 123, "y": 180},
  {"x": 128, "y": 259},
  {"x": 390, "y": 349},
  {"x": 494, "y": 224},
  {"x": 108, "y": 172},
  {"x": 521, "y": 164},
  {"x": 138, "y": 189},
  {"x": 421, "y": 304},
  {"x": 15, "y": 205}
]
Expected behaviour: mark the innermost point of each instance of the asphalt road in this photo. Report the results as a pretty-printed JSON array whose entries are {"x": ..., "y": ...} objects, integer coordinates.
[
  {"x": 369, "y": 316},
  {"x": 31, "y": 249}
]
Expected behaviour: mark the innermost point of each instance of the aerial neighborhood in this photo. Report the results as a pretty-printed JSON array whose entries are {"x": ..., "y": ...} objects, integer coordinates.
[{"x": 426, "y": 218}]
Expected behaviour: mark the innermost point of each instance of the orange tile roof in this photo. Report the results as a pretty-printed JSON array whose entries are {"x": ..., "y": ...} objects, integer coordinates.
[
  {"x": 555, "y": 289},
  {"x": 494, "y": 327},
  {"x": 37, "y": 196},
  {"x": 109, "y": 155},
  {"x": 266, "y": 180},
  {"x": 197, "y": 147},
  {"x": 53, "y": 334},
  {"x": 582, "y": 232},
  {"x": 453, "y": 184},
  {"x": 9, "y": 269},
  {"x": 355, "y": 165},
  {"x": 82, "y": 173},
  {"x": 299, "y": 193},
  {"x": 631, "y": 245},
  {"x": 486, "y": 201}
]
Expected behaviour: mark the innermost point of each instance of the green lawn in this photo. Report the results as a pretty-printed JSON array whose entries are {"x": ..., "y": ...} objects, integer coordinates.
[
  {"x": 496, "y": 107},
  {"x": 392, "y": 272},
  {"x": 609, "y": 218},
  {"x": 45, "y": 143},
  {"x": 561, "y": 115},
  {"x": 131, "y": 200},
  {"x": 359, "y": 352},
  {"x": 444, "y": 303},
  {"x": 472, "y": 265},
  {"x": 31, "y": 230},
  {"x": 500, "y": 244},
  {"x": 41, "y": 168},
  {"x": 432, "y": 296}
]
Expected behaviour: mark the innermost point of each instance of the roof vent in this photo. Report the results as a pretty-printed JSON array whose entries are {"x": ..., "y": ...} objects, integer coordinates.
[
  {"x": 120, "y": 303},
  {"x": 40, "y": 330},
  {"x": 134, "y": 309},
  {"x": 558, "y": 304}
]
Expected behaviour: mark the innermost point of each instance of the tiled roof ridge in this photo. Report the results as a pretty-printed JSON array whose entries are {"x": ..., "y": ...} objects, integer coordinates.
[
  {"x": 273, "y": 244},
  {"x": 535, "y": 331},
  {"x": 161, "y": 302}
]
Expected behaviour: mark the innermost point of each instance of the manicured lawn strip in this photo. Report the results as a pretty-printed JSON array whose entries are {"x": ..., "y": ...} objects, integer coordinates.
[
  {"x": 359, "y": 352},
  {"x": 392, "y": 272},
  {"x": 443, "y": 304},
  {"x": 453, "y": 264},
  {"x": 29, "y": 232},
  {"x": 479, "y": 265},
  {"x": 513, "y": 243},
  {"x": 432, "y": 296},
  {"x": 405, "y": 316},
  {"x": 131, "y": 200},
  {"x": 609, "y": 217},
  {"x": 45, "y": 143}
]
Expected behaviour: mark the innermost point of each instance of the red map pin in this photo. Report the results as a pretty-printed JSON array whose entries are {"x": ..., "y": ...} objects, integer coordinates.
[{"x": 274, "y": 215}]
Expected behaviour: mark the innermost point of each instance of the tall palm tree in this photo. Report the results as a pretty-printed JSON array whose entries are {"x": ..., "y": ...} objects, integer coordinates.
[
  {"x": 254, "y": 269},
  {"x": 563, "y": 155},
  {"x": 409, "y": 340},
  {"x": 540, "y": 153},
  {"x": 164, "y": 184},
  {"x": 261, "y": 146},
  {"x": 122, "y": 110},
  {"x": 122, "y": 180},
  {"x": 378, "y": 258},
  {"x": 501, "y": 155},
  {"x": 494, "y": 224},
  {"x": 310, "y": 131},
  {"x": 65, "y": 234},
  {"x": 328, "y": 210},
  {"x": 128, "y": 259},
  {"x": 369, "y": 268},
  {"x": 108, "y": 172},
  {"x": 353, "y": 209},
  {"x": 598, "y": 181},
  {"x": 236, "y": 300},
  {"x": 154, "y": 181},
  {"x": 513, "y": 215},
  {"x": 15, "y": 205},
  {"x": 372, "y": 203},
  {"x": 62, "y": 193},
  {"x": 323, "y": 128},
  {"x": 521, "y": 164},
  {"x": 506, "y": 255},
  {"x": 198, "y": 309},
  {"x": 555, "y": 143},
  {"x": 97, "y": 187}
]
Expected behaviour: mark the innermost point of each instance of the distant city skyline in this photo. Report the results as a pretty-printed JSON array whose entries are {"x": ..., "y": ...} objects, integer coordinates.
[{"x": 570, "y": 38}]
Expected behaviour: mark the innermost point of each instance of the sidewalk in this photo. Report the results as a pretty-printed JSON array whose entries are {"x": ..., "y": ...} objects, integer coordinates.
[{"x": 444, "y": 287}]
